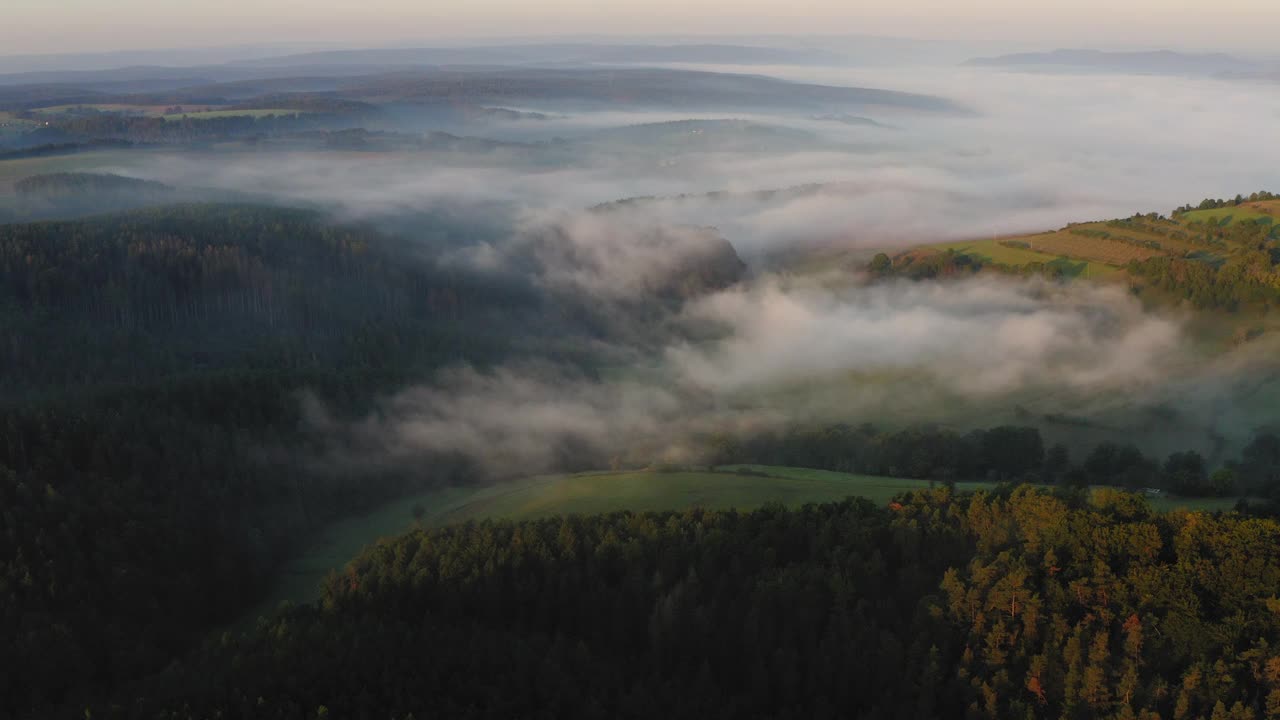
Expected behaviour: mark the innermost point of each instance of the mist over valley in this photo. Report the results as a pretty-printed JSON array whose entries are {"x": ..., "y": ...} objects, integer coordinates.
[{"x": 871, "y": 336}]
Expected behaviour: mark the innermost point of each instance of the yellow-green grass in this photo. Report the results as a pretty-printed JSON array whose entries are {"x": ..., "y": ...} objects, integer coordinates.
[
  {"x": 1106, "y": 255},
  {"x": 1094, "y": 249},
  {"x": 255, "y": 112},
  {"x": 992, "y": 250},
  {"x": 743, "y": 487},
  {"x": 1268, "y": 210}
]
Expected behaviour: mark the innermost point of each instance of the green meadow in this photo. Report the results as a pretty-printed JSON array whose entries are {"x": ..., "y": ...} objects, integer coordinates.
[{"x": 742, "y": 487}]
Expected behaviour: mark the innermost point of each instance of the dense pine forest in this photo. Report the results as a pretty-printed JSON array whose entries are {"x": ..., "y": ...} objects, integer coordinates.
[
  {"x": 155, "y": 466},
  {"x": 1013, "y": 604},
  {"x": 152, "y": 366}
]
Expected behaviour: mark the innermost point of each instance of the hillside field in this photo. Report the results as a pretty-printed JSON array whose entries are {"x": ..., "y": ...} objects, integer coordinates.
[
  {"x": 735, "y": 486},
  {"x": 1100, "y": 249},
  {"x": 1266, "y": 210},
  {"x": 996, "y": 251},
  {"x": 14, "y": 169}
]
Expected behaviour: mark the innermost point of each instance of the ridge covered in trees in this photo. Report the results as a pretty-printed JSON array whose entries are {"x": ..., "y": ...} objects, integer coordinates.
[
  {"x": 1014, "y": 604},
  {"x": 151, "y": 433},
  {"x": 155, "y": 466}
]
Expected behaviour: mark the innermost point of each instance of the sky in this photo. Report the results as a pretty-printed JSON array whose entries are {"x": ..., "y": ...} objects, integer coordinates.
[{"x": 63, "y": 26}]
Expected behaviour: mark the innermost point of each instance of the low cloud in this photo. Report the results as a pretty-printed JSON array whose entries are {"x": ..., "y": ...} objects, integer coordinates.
[
  {"x": 605, "y": 257},
  {"x": 1042, "y": 151},
  {"x": 978, "y": 337},
  {"x": 782, "y": 354}
]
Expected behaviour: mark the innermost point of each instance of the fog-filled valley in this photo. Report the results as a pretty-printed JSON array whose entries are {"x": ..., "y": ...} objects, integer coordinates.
[{"x": 247, "y": 300}]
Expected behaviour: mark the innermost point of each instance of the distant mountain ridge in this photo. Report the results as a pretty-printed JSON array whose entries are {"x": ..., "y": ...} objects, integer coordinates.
[
  {"x": 1162, "y": 62},
  {"x": 550, "y": 54},
  {"x": 134, "y": 67},
  {"x": 493, "y": 86}
]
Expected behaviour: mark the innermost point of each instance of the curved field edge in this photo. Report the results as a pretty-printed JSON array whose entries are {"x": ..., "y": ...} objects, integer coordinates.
[{"x": 743, "y": 487}]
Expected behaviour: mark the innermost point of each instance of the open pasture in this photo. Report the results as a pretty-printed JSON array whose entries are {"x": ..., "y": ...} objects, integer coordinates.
[
  {"x": 743, "y": 487},
  {"x": 1268, "y": 211},
  {"x": 998, "y": 250}
]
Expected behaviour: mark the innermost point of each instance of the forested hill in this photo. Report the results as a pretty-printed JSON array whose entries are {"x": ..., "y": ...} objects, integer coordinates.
[
  {"x": 1013, "y": 605},
  {"x": 134, "y": 296},
  {"x": 154, "y": 465},
  {"x": 150, "y": 470}
]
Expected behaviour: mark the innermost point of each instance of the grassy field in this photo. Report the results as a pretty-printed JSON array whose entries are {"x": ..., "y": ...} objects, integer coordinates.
[
  {"x": 1102, "y": 249},
  {"x": 992, "y": 250},
  {"x": 1266, "y": 210},
  {"x": 736, "y": 486},
  {"x": 1108, "y": 251},
  {"x": 14, "y": 170}
]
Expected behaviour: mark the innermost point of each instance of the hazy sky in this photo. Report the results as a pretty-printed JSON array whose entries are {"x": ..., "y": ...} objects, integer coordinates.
[{"x": 56, "y": 26}]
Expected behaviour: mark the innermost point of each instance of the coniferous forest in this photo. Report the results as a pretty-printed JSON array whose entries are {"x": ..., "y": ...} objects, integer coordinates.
[{"x": 1013, "y": 604}]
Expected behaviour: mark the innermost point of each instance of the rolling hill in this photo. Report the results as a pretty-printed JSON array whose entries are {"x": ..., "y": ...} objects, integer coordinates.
[
  {"x": 1160, "y": 62},
  {"x": 742, "y": 487}
]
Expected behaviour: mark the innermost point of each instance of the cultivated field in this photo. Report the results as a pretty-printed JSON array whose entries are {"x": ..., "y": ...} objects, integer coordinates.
[
  {"x": 995, "y": 250},
  {"x": 1104, "y": 248},
  {"x": 1107, "y": 251}
]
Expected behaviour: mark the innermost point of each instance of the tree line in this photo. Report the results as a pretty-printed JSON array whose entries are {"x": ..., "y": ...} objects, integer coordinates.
[
  {"x": 1006, "y": 454},
  {"x": 1219, "y": 203}
]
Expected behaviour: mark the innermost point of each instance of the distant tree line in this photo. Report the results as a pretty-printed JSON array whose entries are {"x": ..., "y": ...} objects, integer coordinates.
[
  {"x": 1005, "y": 454},
  {"x": 952, "y": 263},
  {"x": 1248, "y": 278},
  {"x": 1212, "y": 204},
  {"x": 135, "y": 129}
]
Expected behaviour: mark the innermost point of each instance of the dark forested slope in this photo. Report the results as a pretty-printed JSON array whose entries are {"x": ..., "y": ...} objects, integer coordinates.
[
  {"x": 1014, "y": 605},
  {"x": 134, "y": 296},
  {"x": 154, "y": 462},
  {"x": 152, "y": 364}
]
